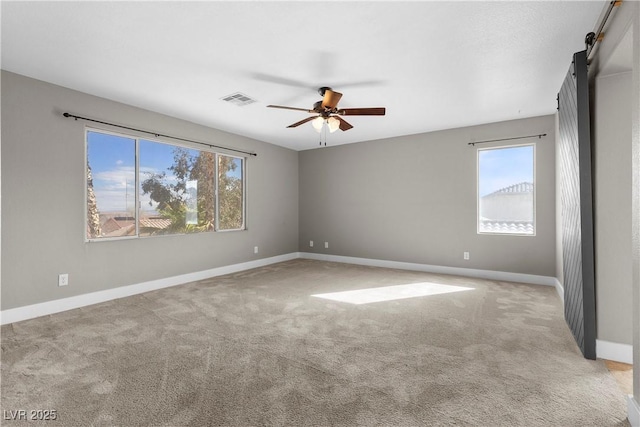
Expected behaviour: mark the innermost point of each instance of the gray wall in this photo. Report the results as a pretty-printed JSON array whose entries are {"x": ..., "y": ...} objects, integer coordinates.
[
  {"x": 612, "y": 207},
  {"x": 635, "y": 195},
  {"x": 625, "y": 19},
  {"x": 635, "y": 203},
  {"x": 43, "y": 187},
  {"x": 413, "y": 199}
]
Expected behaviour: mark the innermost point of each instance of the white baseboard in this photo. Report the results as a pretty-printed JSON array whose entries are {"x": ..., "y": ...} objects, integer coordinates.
[
  {"x": 50, "y": 307},
  {"x": 633, "y": 411},
  {"x": 614, "y": 351},
  {"x": 560, "y": 290},
  {"x": 457, "y": 271}
]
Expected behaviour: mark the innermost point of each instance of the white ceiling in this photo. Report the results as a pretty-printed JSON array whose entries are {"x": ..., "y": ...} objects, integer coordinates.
[{"x": 433, "y": 65}]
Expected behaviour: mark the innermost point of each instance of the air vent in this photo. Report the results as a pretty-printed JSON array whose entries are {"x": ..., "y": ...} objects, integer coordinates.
[{"x": 239, "y": 99}]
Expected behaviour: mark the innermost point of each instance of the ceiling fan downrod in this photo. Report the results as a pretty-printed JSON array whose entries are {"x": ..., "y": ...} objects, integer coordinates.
[{"x": 323, "y": 89}]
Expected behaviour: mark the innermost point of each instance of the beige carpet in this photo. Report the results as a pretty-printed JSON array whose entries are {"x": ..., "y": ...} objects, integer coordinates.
[{"x": 255, "y": 348}]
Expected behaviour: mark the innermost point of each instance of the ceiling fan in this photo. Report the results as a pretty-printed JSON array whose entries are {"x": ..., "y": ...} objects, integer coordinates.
[{"x": 327, "y": 111}]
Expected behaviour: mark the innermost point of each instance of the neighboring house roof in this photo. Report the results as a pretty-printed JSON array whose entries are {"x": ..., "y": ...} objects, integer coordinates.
[
  {"x": 521, "y": 188},
  {"x": 517, "y": 227},
  {"x": 126, "y": 230},
  {"x": 109, "y": 226},
  {"x": 114, "y": 226},
  {"x": 159, "y": 223}
]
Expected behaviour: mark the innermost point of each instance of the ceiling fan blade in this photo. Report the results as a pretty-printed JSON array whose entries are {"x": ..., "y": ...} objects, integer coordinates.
[
  {"x": 331, "y": 99},
  {"x": 362, "y": 83},
  {"x": 378, "y": 111},
  {"x": 290, "y": 108},
  {"x": 301, "y": 122},
  {"x": 281, "y": 80},
  {"x": 344, "y": 125}
]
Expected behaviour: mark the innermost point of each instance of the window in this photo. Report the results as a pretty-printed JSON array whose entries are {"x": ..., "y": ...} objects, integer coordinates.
[
  {"x": 111, "y": 185},
  {"x": 173, "y": 188},
  {"x": 230, "y": 193},
  {"x": 506, "y": 190}
]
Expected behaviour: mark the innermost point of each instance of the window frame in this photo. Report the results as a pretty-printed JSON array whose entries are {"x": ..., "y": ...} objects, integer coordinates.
[
  {"x": 136, "y": 140},
  {"x": 533, "y": 145}
]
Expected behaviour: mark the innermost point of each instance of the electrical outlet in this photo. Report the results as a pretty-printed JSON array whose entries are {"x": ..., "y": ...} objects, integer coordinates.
[
  {"x": 310, "y": 243},
  {"x": 255, "y": 249},
  {"x": 63, "y": 279},
  {"x": 326, "y": 245},
  {"x": 466, "y": 255}
]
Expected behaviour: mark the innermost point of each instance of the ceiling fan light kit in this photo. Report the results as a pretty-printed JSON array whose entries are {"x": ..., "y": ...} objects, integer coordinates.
[
  {"x": 327, "y": 112},
  {"x": 332, "y": 123},
  {"x": 317, "y": 123}
]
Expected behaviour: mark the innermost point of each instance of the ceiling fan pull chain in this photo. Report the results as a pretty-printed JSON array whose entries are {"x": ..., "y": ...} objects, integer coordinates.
[{"x": 325, "y": 133}]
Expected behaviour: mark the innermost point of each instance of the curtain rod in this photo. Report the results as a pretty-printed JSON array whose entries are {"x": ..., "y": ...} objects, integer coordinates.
[
  {"x": 539, "y": 136},
  {"x": 156, "y": 134}
]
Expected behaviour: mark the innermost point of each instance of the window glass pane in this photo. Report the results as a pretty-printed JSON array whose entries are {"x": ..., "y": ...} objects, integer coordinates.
[
  {"x": 111, "y": 185},
  {"x": 506, "y": 190},
  {"x": 176, "y": 189},
  {"x": 230, "y": 193}
]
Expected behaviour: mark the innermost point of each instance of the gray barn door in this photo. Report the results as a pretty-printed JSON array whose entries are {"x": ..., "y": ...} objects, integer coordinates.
[{"x": 577, "y": 208}]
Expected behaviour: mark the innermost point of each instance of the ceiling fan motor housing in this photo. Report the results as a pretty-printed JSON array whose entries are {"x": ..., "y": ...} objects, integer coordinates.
[{"x": 323, "y": 111}]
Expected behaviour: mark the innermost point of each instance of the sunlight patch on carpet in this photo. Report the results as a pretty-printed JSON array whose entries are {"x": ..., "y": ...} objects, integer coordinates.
[{"x": 390, "y": 293}]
